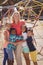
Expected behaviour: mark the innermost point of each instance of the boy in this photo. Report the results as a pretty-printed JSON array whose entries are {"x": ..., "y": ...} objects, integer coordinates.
[
  {"x": 33, "y": 52},
  {"x": 13, "y": 38}
]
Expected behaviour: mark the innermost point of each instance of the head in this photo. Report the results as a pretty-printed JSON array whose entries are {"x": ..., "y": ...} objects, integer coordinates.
[
  {"x": 24, "y": 28},
  {"x": 12, "y": 31},
  {"x": 8, "y": 26},
  {"x": 16, "y": 17},
  {"x": 31, "y": 30},
  {"x": 29, "y": 33}
]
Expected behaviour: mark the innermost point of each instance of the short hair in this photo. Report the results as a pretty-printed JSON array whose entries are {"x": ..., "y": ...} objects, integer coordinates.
[{"x": 12, "y": 29}]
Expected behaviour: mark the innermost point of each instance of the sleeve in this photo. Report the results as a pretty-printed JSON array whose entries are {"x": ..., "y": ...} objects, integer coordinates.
[{"x": 23, "y": 22}]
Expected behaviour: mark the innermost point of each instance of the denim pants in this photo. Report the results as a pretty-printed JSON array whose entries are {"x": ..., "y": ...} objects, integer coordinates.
[
  {"x": 5, "y": 57},
  {"x": 10, "y": 54}
]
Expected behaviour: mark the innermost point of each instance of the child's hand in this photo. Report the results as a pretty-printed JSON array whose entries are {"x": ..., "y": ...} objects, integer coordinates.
[{"x": 14, "y": 44}]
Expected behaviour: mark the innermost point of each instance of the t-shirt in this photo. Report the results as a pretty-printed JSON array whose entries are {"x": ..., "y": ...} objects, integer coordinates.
[
  {"x": 5, "y": 39},
  {"x": 18, "y": 27},
  {"x": 13, "y": 38},
  {"x": 24, "y": 44},
  {"x": 30, "y": 44}
]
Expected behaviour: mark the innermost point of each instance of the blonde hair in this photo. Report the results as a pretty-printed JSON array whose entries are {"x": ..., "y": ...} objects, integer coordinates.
[{"x": 16, "y": 12}]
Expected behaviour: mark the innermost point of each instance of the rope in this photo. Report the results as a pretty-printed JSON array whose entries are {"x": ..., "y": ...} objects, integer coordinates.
[
  {"x": 40, "y": 46},
  {"x": 12, "y": 6},
  {"x": 37, "y": 18},
  {"x": 37, "y": 2},
  {"x": 4, "y": 2},
  {"x": 40, "y": 52},
  {"x": 8, "y": 6},
  {"x": 21, "y": 2}
]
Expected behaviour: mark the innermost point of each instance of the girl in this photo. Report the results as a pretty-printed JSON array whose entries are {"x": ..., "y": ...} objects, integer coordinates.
[
  {"x": 24, "y": 45},
  {"x": 6, "y": 36}
]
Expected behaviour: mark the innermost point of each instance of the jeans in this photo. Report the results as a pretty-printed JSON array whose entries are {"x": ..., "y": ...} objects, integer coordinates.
[
  {"x": 10, "y": 54},
  {"x": 5, "y": 57}
]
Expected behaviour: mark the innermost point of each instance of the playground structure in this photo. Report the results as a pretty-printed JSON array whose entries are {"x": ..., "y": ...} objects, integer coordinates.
[{"x": 27, "y": 9}]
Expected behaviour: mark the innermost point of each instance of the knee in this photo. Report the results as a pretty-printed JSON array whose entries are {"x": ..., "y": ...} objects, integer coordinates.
[
  {"x": 26, "y": 57},
  {"x": 10, "y": 61}
]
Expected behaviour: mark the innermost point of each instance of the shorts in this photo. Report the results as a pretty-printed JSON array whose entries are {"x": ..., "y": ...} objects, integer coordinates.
[
  {"x": 33, "y": 56},
  {"x": 25, "y": 49}
]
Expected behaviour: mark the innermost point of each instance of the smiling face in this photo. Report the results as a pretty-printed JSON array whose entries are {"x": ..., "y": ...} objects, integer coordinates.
[
  {"x": 8, "y": 26},
  {"x": 13, "y": 32},
  {"x": 29, "y": 33},
  {"x": 24, "y": 28},
  {"x": 16, "y": 17}
]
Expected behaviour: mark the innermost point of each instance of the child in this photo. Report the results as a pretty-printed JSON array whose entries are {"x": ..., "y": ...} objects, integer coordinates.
[
  {"x": 6, "y": 36},
  {"x": 24, "y": 45},
  {"x": 13, "y": 37},
  {"x": 34, "y": 41},
  {"x": 33, "y": 52}
]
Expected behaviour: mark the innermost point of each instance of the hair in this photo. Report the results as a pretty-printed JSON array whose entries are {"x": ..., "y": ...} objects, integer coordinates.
[
  {"x": 28, "y": 30},
  {"x": 12, "y": 29},
  {"x": 31, "y": 31},
  {"x": 25, "y": 29},
  {"x": 13, "y": 16}
]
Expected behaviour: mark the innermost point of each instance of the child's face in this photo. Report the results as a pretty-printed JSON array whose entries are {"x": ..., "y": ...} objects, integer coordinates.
[
  {"x": 8, "y": 26},
  {"x": 29, "y": 33},
  {"x": 13, "y": 32}
]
